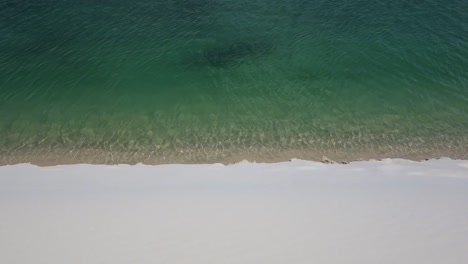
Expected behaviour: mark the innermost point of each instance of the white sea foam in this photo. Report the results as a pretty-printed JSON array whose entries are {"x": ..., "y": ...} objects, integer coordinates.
[{"x": 390, "y": 211}]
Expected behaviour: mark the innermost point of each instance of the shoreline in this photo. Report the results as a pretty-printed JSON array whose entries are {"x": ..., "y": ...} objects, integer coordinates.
[{"x": 102, "y": 157}]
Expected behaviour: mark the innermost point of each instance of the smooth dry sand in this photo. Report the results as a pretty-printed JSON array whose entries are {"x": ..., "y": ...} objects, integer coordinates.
[{"x": 392, "y": 211}]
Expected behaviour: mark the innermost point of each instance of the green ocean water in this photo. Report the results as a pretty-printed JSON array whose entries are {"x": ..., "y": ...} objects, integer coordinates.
[{"x": 220, "y": 80}]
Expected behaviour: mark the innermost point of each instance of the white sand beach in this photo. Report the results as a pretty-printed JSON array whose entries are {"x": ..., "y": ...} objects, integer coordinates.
[{"x": 390, "y": 211}]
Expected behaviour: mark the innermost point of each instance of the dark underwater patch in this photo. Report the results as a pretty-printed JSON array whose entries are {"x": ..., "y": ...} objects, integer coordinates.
[{"x": 235, "y": 53}]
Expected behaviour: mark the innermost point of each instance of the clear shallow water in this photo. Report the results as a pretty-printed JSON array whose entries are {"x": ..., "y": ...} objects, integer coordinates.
[{"x": 217, "y": 80}]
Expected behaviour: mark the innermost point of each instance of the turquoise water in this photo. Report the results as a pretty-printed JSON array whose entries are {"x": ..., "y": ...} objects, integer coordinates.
[{"x": 220, "y": 80}]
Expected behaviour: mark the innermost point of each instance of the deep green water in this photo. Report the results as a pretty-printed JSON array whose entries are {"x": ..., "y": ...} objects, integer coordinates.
[{"x": 203, "y": 80}]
